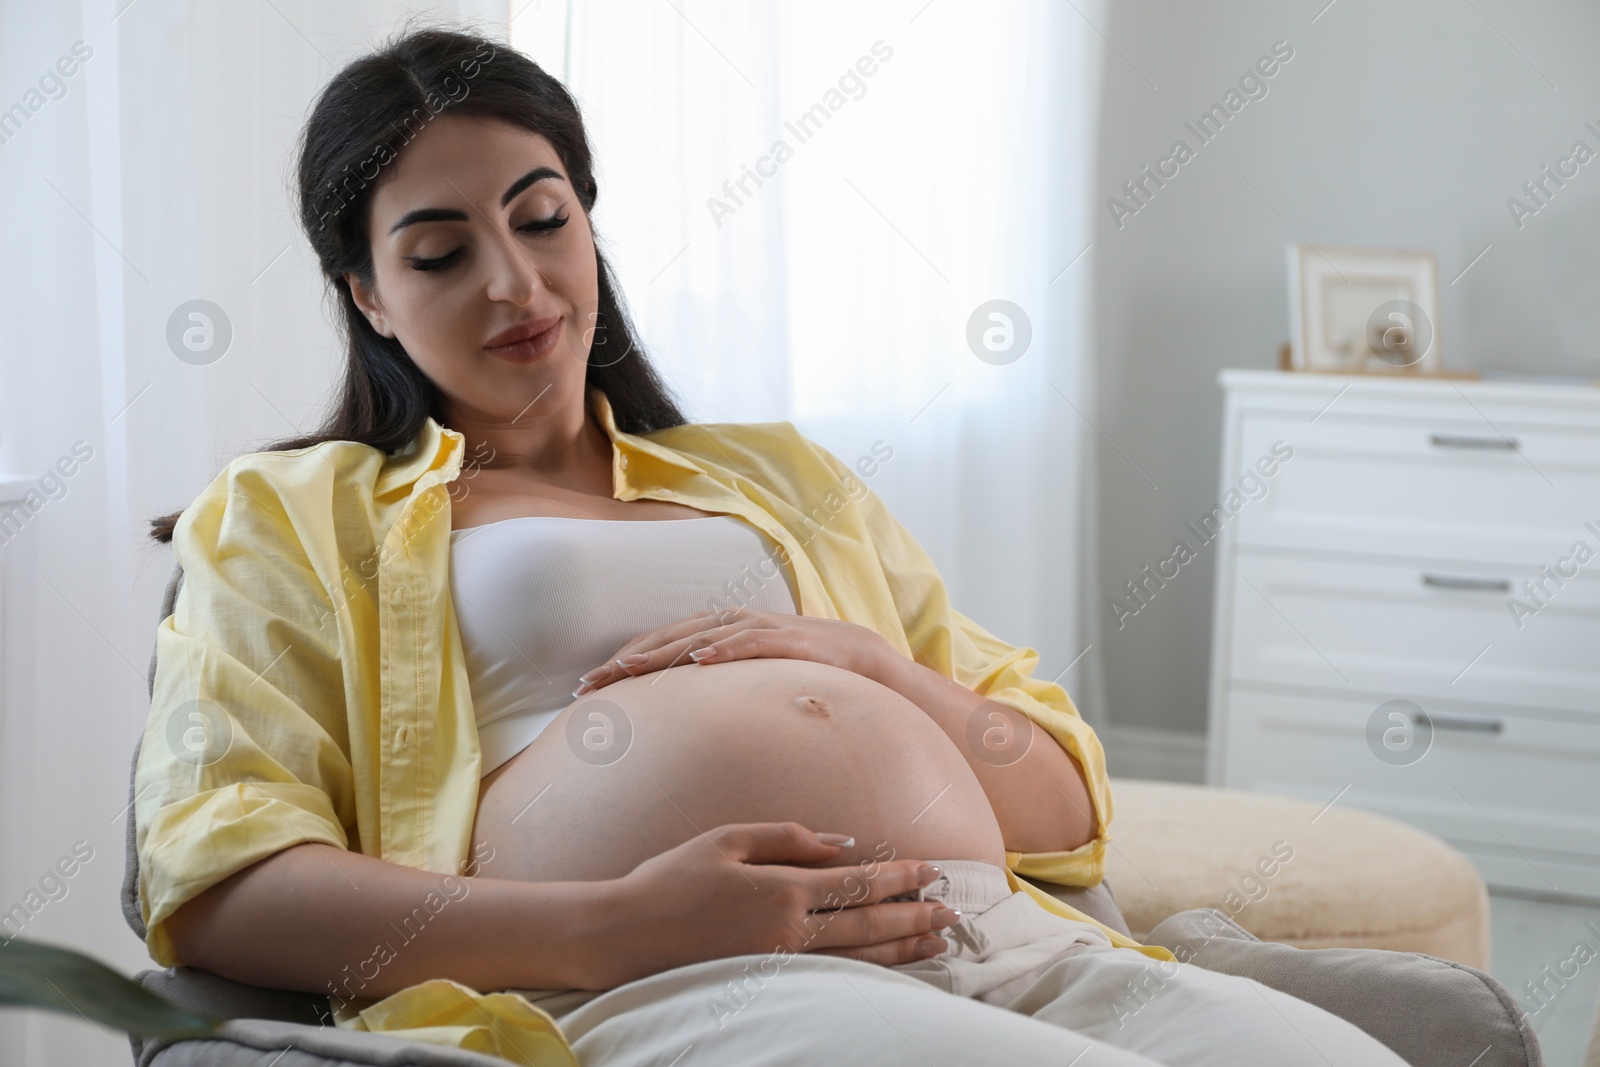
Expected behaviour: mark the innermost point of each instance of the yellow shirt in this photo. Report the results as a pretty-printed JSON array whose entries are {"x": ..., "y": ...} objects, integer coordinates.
[{"x": 316, "y": 610}]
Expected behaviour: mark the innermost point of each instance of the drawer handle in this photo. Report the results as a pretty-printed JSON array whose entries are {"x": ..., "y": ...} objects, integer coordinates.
[
  {"x": 1453, "y": 440},
  {"x": 1470, "y": 585},
  {"x": 1476, "y": 726}
]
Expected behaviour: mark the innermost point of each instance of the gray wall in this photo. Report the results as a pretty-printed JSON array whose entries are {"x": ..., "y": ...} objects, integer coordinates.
[{"x": 1395, "y": 124}]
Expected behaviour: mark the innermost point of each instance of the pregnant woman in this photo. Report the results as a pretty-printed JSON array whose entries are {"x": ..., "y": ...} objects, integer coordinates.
[{"x": 514, "y": 712}]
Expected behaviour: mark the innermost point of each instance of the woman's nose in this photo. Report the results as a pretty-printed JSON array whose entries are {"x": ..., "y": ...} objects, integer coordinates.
[{"x": 514, "y": 277}]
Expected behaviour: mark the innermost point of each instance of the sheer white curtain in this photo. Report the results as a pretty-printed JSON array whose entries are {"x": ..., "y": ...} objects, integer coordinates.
[
  {"x": 837, "y": 295},
  {"x": 807, "y": 203},
  {"x": 155, "y": 173}
]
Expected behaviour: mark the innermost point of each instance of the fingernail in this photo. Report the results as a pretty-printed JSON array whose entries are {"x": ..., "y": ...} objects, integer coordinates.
[
  {"x": 582, "y": 689},
  {"x": 943, "y": 917},
  {"x": 842, "y": 840},
  {"x": 590, "y": 676},
  {"x": 701, "y": 653},
  {"x": 927, "y": 873},
  {"x": 633, "y": 660},
  {"x": 929, "y": 946}
]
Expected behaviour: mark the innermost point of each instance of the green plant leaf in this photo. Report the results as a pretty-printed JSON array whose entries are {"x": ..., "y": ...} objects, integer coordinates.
[{"x": 33, "y": 975}]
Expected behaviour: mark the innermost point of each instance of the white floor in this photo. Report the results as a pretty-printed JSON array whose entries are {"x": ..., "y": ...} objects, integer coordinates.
[{"x": 1531, "y": 935}]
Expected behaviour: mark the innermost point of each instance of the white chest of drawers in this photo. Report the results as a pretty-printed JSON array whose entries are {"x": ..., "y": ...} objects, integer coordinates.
[{"x": 1429, "y": 542}]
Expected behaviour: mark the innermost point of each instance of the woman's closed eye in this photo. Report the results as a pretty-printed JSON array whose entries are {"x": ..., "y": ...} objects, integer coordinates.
[{"x": 554, "y": 222}]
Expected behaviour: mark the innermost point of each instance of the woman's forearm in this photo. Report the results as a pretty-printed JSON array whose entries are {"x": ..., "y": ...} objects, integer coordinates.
[
  {"x": 326, "y": 920},
  {"x": 1041, "y": 800}
]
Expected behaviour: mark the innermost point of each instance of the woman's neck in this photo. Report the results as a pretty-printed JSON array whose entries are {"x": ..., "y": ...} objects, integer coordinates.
[{"x": 561, "y": 445}]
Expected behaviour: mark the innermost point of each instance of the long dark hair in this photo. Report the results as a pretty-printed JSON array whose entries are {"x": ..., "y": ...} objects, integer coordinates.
[{"x": 362, "y": 120}]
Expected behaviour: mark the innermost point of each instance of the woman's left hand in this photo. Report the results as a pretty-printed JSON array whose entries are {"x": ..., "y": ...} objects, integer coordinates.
[{"x": 713, "y": 636}]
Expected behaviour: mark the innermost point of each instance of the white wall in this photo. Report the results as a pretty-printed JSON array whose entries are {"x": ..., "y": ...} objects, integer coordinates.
[{"x": 1404, "y": 125}]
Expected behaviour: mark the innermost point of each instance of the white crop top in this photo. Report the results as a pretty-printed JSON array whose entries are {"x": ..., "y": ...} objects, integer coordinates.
[{"x": 541, "y": 599}]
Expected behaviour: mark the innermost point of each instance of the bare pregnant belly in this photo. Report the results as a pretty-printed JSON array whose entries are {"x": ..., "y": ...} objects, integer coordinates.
[{"x": 642, "y": 765}]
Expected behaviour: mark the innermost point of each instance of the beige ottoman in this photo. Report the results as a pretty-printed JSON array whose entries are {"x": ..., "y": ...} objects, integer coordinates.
[{"x": 1293, "y": 872}]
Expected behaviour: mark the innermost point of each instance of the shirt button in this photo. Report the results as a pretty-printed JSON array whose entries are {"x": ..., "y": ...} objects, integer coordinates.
[{"x": 624, "y": 462}]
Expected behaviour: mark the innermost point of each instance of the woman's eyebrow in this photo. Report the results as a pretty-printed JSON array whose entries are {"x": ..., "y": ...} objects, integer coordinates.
[
  {"x": 537, "y": 174},
  {"x": 448, "y": 214}
]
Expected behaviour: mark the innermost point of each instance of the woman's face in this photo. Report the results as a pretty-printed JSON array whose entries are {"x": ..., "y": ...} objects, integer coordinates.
[{"x": 478, "y": 236}]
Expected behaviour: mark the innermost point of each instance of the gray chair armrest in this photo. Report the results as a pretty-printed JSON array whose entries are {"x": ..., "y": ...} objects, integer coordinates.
[
  {"x": 1431, "y": 1012},
  {"x": 265, "y": 1043},
  {"x": 205, "y": 993},
  {"x": 277, "y": 1027}
]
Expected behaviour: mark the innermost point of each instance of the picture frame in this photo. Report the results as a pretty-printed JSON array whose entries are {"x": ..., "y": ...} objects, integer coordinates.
[{"x": 1363, "y": 310}]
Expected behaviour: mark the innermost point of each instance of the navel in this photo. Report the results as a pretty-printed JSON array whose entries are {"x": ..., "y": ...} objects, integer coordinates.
[{"x": 812, "y": 705}]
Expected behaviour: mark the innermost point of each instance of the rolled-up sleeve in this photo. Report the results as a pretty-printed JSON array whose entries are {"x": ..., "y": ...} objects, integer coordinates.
[
  {"x": 991, "y": 668},
  {"x": 964, "y": 651},
  {"x": 246, "y": 748}
]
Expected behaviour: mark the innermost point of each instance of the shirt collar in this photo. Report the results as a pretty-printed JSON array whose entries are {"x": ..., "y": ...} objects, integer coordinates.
[{"x": 438, "y": 447}]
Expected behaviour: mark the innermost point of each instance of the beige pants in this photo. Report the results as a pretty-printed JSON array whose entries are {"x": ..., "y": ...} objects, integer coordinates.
[{"x": 1018, "y": 986}]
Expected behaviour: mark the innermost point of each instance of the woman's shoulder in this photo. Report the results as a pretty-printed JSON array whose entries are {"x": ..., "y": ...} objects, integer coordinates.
[
  {"x": 293, "y": 483},
  {"x": 349, "y": 464}
]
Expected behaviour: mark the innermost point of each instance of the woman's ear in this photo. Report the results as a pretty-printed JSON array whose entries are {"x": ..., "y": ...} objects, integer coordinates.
[{"x": 367, "y": 301}]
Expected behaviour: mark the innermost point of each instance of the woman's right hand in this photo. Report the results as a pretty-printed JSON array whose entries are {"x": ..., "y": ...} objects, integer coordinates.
[{"x": 743, "y": 888}]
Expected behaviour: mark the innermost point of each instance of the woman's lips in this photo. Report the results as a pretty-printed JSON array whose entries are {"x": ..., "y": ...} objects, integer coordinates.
[{"x": 530, "y": 349}]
